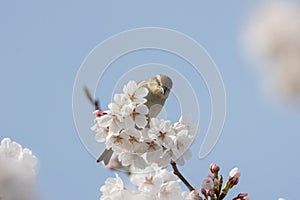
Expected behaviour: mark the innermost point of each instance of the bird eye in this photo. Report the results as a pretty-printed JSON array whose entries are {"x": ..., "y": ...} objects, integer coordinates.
[{"x": 157, "y": 81}]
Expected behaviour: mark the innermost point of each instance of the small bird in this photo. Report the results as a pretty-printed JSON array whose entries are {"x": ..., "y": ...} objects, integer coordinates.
[{"x": 159, "y": 88}]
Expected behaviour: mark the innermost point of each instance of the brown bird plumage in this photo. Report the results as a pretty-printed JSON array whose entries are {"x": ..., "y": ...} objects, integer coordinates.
[{"x": 159, "y": 88}]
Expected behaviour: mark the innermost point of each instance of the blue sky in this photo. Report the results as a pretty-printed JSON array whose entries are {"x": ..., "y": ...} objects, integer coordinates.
[{"x": 43, "y": 44}]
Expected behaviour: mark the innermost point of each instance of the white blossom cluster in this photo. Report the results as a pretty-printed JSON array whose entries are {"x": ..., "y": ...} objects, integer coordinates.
[
  {"x": 273, "y": 36},
  {"x": 17, "y": 171},
  {"x": 135, "y": 139},
  {"x": 152, "y": 183}
]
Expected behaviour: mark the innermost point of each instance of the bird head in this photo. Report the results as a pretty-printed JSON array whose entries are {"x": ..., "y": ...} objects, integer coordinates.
[{"x": 161, "y": 85}]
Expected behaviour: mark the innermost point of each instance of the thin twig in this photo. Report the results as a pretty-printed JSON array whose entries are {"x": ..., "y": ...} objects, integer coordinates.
[
  {"x": 90, "y": 98},
  {"x": 181, "y": 177}
]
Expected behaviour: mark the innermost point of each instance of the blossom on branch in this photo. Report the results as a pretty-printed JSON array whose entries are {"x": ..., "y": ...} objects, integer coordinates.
[
  {"x": 145, "y": 147},
  {"x": 152, "y": 183},
  {"x": 137, "y": 139}
]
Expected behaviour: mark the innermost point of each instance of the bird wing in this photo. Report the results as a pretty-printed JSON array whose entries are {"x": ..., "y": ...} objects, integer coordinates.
[{"x": 105, "y": 156}]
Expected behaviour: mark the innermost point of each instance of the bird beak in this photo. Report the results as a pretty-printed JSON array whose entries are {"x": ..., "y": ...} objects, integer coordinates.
[{"x": 164, "y": 89}]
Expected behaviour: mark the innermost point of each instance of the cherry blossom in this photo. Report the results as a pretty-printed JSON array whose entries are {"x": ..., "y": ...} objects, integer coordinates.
[
  {"x": 136, "y": 139},
  {"x": 162, "y": 132},
  {"x": 134, "y": 93},
  {"x": 207, "y": 183},
  {"x": 145, "y": 147}
]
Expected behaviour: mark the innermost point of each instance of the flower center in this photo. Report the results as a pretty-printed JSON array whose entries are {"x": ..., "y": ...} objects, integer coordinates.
[
  {"x": 151, "y": 145},
  {"x": 132, "y": 139},
  {"x": 132, "y": 97},
  {"x": 162, "y": 135},
  {"x": 118, "y": 139},
  {"x": 148, "y": 180}
]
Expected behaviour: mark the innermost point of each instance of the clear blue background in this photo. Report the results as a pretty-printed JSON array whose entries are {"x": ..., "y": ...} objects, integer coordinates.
[{"x": 43, "y": 43}]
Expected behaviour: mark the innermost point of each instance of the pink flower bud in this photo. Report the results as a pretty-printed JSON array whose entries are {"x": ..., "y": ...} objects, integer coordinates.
[
  {"x": 211, "y": 193},
  {"x": 235, "y": 173},
  {"x": 242, "y": 196},
  {"x": 203, "y": 191},
  {"x": 214, "y": 168},
  {"x": 232, "y": 181},
  {"x": 98, "y": 113}
]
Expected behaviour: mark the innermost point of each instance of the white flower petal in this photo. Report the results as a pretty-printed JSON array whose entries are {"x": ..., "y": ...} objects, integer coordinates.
[
  {"x": 130, "y": 88},
  {"x": 141, "y": 121},
  {"x": 142, "y": 109},
  {"x": 141, "y": 92},
  {"x": 105, "y": 120}
]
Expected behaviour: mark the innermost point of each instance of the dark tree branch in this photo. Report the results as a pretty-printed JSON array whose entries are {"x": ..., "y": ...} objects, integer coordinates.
[{"x": 181, "y": 177}]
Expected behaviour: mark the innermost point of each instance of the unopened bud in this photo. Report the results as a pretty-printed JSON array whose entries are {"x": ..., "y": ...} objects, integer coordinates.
[
  {"x": 203, "y": 191},
  {"x": 214, "y": 168},
  {"x": 211, "y": 193},
  {"x": 232, "y": 182},
  {"x": 235, "y": 173},
  {"x": 98, "y": 113},
  {"x": 242, "y": 196}
]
